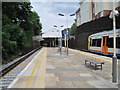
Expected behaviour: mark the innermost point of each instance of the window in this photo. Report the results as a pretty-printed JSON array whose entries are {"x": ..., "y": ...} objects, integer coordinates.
[
  {"x": 99, "y": 42},
  {"x": 118, "y": 42},
  {"x": 110, "y": 43},
  {"x": 96, "y": 42}
]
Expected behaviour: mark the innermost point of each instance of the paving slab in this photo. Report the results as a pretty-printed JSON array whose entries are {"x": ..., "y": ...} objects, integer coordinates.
[
  {"x": 33, "y": 76},
  {"x": 70, "y": 71},
  {"x": 53, "y": 70}
]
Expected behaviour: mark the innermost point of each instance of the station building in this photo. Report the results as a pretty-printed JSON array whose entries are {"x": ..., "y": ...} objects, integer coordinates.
[
  {"x": 92, "y": 17},
  {"x": 51, "y": 38}
]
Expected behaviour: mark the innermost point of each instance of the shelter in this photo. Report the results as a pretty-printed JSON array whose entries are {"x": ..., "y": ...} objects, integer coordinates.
[
  {"x": 37, "y": 41},
  {"x": 51, "y": 37}
]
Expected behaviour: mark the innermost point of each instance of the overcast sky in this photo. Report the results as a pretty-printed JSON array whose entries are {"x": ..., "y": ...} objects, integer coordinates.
[{"x": 48, "y": 12}]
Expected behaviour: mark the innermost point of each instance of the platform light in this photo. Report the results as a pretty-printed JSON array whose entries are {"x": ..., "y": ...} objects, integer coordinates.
[
  {"x": 60, "y": 14},
  {"x": 114, "y": 59},
  {"x": 115, "y": 12},
  {"x": 60, "y": 42}
]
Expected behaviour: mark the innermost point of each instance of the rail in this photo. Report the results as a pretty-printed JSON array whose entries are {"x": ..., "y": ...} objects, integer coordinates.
[{"x": 5, "y": 69}]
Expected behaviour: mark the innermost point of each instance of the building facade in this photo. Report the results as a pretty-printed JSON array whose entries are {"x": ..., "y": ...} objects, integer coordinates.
[
  {"x": 104, "y": 8},
  {"x": 92, "y": 9},
  {"x": 84, "y": 13}
]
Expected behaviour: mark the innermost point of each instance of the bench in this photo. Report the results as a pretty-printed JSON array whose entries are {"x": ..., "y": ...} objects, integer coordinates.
[{"x": 96, "y": 63}]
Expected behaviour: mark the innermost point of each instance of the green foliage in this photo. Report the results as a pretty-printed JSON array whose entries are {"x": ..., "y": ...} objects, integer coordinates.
[
  {"x": 19, "y": 24},
  {"x": 73, "y": 29},
  {"x": 13, "y": 38},
  {"x": 34, "y": 23}
]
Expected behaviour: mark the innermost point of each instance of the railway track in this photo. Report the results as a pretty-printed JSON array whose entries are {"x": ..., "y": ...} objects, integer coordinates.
[{"x": 10, "y": 72}]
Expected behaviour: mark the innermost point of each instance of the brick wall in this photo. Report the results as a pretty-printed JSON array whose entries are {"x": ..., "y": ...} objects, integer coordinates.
[{"x": 106, "y": 12}]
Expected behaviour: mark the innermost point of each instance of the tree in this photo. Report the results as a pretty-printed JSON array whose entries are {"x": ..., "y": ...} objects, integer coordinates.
[
  {"x": 35, "y": 23},
  {"x": 73, "y": 29},
  {"x": 19, "y": 24}
]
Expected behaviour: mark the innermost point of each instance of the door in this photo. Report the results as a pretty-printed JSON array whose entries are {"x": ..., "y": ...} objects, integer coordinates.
[{"x": 104, "y": 45}]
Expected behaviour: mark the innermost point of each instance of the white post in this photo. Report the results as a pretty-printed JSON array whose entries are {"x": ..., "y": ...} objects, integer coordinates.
[
  {"x": 114, "y": 30},
  {"x": 55, "y": 41},
  {"x": 67, "y": 32},
  {"x": 65, "y": 40},
  {"x": 114, "y": 60},
  {"x": 60, "y": 42}
]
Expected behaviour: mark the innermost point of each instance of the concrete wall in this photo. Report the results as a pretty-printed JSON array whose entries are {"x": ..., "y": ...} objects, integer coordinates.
[
  {"x": 78, "y": 17},
  {"x": 86, "y": 12},
  {"x": 81, "y": 41},
  {"x": 98, "y": 7},
  {"x": 104, "y": 6},
  {"x": 72, "y": 43},
  {"x": 86, "y": 29}
]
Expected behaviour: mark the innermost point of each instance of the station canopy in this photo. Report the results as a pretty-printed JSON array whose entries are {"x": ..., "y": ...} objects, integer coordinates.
[
  {"x": 53, "y": 33},
  {"x": 37, "y": 38}
]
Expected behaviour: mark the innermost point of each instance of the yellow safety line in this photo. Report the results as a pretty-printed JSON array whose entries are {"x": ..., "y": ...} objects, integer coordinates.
[
  {"x": 23, "y": 64},
  {"x": 31, "y": 75},
  {"x": 10, "y": 72},
  {"x": 40, "y": 80},
  {"x": 85, "y": 53}
]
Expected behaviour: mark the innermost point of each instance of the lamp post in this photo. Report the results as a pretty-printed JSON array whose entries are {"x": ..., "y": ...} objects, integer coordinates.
[
  {"x": 66, "y": 27},
  {"x": 60, "y": 41},
  {"x": 114, "y": 59}
]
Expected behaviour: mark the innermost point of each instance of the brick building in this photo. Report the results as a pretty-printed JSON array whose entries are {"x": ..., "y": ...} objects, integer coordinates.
[
  {"x": 92, "y": 17},
  {"x": 92, "y": 9}
]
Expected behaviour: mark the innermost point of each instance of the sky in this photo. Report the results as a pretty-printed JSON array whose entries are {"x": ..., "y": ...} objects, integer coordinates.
[{"x": 48, "y": 12}]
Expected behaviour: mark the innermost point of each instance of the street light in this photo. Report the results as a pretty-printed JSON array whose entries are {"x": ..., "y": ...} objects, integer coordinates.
[
  {"x": 61, "y": 14},
  {"x": 114, "y": 59},
  {"x": 72, "y": 15},
  {"x": 55, "y": 26},
  {"x": 67, "y": 28},
  {"x": 60, "y": 41}
]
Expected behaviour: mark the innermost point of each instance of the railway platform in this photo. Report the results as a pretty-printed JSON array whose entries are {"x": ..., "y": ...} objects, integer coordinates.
[{"x": 50, "y": 69}]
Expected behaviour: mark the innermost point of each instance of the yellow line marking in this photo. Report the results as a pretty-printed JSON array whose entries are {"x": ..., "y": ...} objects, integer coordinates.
[
  {"x": 89, "y": 54},
  {"x": 23, "y": 64},
  {"x": 10, "y": 72},
  {"x": 33, "y": 71},
  {"x": 40, "y": 79},
  {"x": 31, "y": 76}
]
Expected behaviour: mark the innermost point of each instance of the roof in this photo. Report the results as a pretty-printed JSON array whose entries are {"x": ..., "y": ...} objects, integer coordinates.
[
  {"x": 53, "y": 33},
  {"x": 38, "y": 38}
]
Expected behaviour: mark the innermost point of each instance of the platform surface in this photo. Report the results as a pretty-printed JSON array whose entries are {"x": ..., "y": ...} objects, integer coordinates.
[{"x": 50, "y": 69}]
